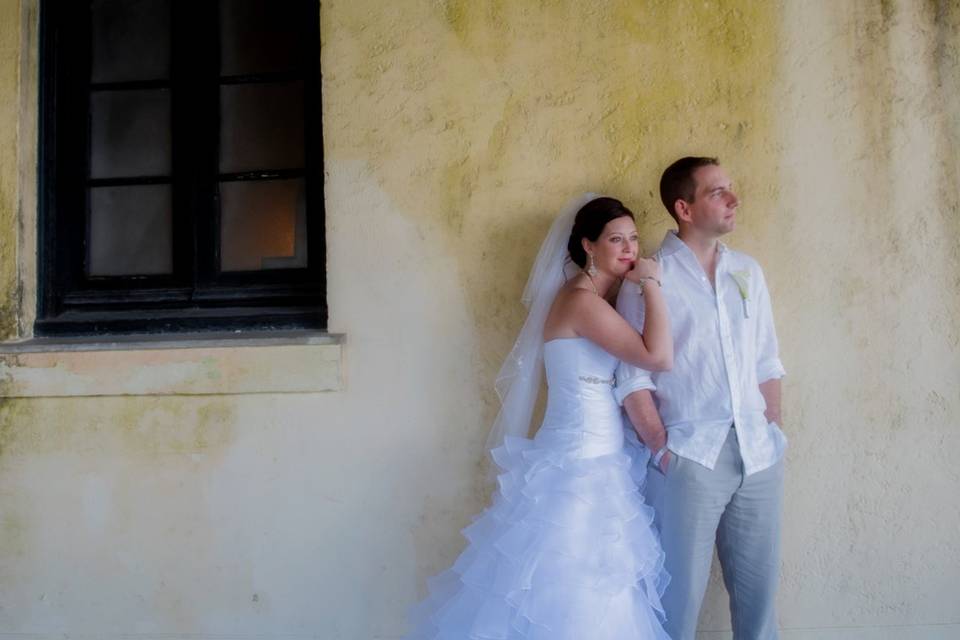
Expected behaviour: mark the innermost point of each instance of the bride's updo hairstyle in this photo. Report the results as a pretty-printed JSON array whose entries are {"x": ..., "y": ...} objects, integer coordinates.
[{"x": 589, "y": 224}]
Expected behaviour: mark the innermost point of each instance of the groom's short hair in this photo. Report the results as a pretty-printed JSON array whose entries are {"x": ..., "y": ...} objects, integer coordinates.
[{"x": 677, "y": 181}]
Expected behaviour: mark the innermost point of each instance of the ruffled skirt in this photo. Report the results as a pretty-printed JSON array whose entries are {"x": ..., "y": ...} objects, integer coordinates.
[{"x": 566, "y": 552}]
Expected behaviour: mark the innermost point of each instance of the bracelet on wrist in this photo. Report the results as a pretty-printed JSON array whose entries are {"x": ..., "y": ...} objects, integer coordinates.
[
  {"x": 643, "y": 282},
  {"x": 658, "y": 456}
]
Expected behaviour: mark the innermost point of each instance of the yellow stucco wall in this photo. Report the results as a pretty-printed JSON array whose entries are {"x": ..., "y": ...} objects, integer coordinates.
[
  {"x": 480, "y": 119},
  {"x": 10, "y": 34},
  {"x": 453, "y": 130}
]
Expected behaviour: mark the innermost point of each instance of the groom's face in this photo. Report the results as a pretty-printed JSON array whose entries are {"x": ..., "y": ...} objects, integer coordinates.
[{"x": 714, "y": 207}]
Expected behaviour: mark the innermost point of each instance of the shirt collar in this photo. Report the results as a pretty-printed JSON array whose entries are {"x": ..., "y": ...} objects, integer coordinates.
[{"x": 672, "y": 243}]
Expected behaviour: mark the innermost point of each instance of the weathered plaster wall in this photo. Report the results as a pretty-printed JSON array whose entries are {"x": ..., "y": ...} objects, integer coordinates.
[
  {"x": 480, "y": 119},
  {"x": 10, "y": 34},
  {"x": 869, "y": 268},
  {"x": 453, "y": 131}
]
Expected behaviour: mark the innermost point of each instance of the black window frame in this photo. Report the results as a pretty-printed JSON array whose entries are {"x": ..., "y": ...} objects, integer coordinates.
[{"x": 197, "y": 296}]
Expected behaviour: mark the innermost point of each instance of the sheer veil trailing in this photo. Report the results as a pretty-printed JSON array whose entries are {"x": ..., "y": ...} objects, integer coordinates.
[{"x": 518, "y": 382}]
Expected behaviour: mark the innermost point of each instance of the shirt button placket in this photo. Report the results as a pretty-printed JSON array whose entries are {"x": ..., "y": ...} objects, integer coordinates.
[{"x": 726, "y": 344}]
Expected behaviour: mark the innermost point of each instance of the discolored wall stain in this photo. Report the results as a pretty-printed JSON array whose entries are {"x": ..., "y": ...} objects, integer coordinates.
[
  {"x": 944, "y": 20},
  {"x": 602, "y": 93},
  {"x": 9, "y": 169},
  {"x": 147, "y": 427}
]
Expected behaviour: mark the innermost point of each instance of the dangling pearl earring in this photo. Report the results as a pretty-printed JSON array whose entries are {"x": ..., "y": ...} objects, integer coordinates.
[{"x": 591, "y": 268}]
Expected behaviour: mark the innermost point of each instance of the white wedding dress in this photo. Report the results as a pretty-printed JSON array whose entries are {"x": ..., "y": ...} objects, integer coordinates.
[{"x": 567, "y": 550}]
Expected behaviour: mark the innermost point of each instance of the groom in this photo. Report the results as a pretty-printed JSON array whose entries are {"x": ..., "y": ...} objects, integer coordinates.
[{"x": 711, "y": 423}]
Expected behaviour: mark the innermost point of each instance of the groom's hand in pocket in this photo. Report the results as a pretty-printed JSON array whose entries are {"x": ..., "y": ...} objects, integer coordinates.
[{"x": 665, "y": 462}]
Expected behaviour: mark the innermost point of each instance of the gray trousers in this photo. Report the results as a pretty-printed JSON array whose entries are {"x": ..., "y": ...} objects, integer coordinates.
[{"x": 695, "y": 508}]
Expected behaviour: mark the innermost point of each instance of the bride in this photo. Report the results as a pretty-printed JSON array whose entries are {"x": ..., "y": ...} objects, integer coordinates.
[{"x": 566, "y": 551}]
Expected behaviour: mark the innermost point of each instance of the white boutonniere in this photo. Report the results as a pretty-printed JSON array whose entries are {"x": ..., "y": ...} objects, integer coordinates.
[{"x": 742, "y": 278}]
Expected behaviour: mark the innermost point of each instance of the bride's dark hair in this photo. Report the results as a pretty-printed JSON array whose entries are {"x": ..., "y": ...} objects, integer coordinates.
[{"x": 589, "y": 223}]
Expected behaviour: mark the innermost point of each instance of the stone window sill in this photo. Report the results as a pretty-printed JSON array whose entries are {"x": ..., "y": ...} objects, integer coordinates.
[{"x": 208, "y": 364}]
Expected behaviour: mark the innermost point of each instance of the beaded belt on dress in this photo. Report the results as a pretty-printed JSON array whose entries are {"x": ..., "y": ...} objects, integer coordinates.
[{"x": 596, "y": 380}]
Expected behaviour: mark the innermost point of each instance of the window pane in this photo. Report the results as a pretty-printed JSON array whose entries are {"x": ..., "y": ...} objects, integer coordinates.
[
  {"x": 258, "y": 36},
  {"x": 263, "y": 225},
  {"x": 130, "y": 231},
  {"x": 129, "y": 133},
  {"x": 261, "y": 127},
  {"x": 130, "y": 40}
]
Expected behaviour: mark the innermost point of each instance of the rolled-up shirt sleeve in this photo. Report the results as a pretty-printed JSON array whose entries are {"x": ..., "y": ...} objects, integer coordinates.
[
  {"x": 769, "y": 366},
  {"x": 630, "y": 378}
]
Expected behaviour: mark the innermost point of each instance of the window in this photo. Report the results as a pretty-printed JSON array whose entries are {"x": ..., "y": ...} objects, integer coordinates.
[{"x": 180, "y": 166}]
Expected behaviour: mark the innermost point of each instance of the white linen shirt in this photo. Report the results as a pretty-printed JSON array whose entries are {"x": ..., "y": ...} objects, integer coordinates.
[{"x": 724, "y": 347}]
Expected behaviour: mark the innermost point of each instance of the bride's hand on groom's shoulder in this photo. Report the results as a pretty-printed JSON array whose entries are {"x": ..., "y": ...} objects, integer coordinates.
[{"x": 644, "y": 268}]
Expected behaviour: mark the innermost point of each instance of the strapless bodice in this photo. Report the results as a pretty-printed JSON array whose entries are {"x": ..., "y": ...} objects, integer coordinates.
[{"x": 580, "y": 401}]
